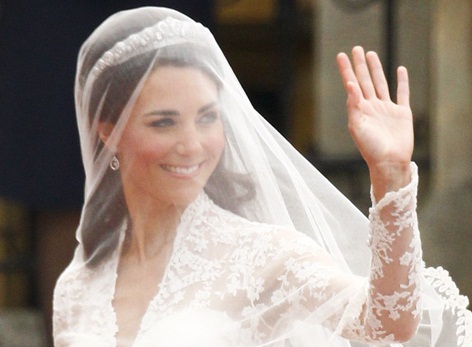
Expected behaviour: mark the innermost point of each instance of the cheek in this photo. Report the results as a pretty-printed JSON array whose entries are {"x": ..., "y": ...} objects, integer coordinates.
[
  {"x": 217, "y": 143},
  {"x": 140, "y": 150}
]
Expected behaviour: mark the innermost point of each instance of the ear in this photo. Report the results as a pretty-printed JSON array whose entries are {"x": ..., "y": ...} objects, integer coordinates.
[{"x": 104, "y": 131}]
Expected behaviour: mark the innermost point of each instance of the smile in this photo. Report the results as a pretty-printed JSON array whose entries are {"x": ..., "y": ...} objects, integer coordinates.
[{"x": 181, "y": 170}]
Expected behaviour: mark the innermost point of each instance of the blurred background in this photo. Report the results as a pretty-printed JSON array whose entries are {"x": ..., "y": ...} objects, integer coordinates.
[{"x": 283, "y": 52}]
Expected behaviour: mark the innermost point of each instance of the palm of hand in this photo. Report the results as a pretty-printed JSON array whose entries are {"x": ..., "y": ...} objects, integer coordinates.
[{"x": 381, "y": 129}]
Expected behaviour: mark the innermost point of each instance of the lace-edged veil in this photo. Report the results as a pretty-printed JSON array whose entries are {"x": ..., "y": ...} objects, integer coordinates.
[
  {"x": 257, "y": 160},
  {"x": 260, "y": 176}
]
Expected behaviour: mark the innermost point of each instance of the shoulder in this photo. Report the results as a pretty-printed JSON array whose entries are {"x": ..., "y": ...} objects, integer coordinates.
[
  {"x": 283, "y": 240},
  {"x": 70, "y": 288},
  {"x": 240, "y": 227},
  {"x": 79, "y": 292},
  {"x": 78, "y": 285}
]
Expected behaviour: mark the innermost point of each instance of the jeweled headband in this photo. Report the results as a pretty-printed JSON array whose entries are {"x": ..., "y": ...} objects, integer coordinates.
[{"x": 167, "y": 31}]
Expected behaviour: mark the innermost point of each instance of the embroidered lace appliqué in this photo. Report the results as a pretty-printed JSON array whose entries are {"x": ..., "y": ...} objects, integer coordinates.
[
  {"x": 455, "y": 303},
  {"x": 395, "y": 244},
  {"x": 260, "y": 280}
]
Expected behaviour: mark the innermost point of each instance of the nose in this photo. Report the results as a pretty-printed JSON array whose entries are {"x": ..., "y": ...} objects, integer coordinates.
[{"x": 189, "y": 141}]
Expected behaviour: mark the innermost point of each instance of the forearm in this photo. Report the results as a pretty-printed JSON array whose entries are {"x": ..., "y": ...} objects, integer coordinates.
[{"x": 392, "y": 310}]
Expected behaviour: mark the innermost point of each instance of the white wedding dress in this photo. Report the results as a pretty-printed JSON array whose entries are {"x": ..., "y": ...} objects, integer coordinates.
[{"x": 232, "y": 282}]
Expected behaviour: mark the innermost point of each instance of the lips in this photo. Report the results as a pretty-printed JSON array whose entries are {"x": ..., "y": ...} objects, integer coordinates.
[{"x": 181, "y": 170}]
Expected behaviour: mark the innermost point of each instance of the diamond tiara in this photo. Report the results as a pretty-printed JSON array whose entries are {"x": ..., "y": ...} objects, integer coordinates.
[{"x": 167, "y": 31}]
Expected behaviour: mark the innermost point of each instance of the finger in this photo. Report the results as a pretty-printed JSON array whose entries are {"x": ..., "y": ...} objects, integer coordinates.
[
  {"x": 403, "y": 88},
  {"x": 346, "y": 71},
  {"x": 354, "y": 95},
  {"x": 353, "y": 104},
  {"x": 349, "y": 80},
  {"x": 362, "y": 72},
  {"x": 378, "y": 76}
]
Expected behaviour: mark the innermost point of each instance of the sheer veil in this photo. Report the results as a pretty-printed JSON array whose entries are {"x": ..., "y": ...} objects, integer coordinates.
[{"x": 260, "y": 176}]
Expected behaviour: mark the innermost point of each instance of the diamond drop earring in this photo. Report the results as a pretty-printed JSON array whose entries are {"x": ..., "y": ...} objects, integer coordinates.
[{"x": 115, "y": 163}]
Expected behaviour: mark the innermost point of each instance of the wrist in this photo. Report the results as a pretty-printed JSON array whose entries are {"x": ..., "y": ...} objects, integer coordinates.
[{"x": 389, "y": 177}]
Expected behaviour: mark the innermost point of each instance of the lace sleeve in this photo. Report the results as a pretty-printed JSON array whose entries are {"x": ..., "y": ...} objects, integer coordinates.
[
  {"x": 384, "y": 307},
  {"x": 392, "y": 308}
]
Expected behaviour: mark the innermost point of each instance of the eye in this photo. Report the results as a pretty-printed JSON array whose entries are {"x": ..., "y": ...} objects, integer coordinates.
[
  {"x": 162, "y": 123},
  {"x": 209, "y": 117}
]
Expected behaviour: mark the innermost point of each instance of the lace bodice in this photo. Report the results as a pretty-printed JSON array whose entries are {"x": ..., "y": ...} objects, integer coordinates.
[{"x": 233, "y": 282}]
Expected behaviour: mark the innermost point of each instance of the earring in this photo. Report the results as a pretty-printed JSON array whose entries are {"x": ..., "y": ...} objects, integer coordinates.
[{"x": 115, "y": 163}]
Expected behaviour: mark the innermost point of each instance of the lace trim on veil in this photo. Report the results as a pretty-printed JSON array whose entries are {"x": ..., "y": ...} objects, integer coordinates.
[{"x": 454, "y": 302}]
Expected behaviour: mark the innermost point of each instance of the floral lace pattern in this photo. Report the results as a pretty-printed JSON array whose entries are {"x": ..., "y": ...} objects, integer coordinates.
[
  {"x": 232, "y": 282},
  {"x": 454, "y": 303},
  {"x": 395, "y": 242}
]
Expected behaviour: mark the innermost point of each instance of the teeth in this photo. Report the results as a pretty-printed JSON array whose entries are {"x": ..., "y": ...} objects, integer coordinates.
[{"x": 180, "y": 169}]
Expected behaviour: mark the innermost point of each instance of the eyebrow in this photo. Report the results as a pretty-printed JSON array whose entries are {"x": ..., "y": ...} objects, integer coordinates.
[
  {"x": 207, "y": 107},
  {"x": 162, "y": 113},
  {"x": 176, "y": 113}
]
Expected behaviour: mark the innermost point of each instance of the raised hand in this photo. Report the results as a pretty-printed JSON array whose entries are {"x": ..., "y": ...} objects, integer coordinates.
[{"x": 381, "y": 129}]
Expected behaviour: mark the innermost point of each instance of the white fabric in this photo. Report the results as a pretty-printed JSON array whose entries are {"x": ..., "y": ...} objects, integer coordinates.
[
  {"x": 225, "y": 271},
  {"x": 286, "y": 262}
]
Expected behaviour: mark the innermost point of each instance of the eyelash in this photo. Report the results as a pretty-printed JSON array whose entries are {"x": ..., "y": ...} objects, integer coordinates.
[
  {"x": 205, "y": 119},
  {"x": 209, "y": 117},
  {"x": 162, "y": 123}
]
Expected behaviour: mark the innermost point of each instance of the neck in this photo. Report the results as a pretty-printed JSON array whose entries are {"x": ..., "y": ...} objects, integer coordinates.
[{"x": 153, "y": 228}]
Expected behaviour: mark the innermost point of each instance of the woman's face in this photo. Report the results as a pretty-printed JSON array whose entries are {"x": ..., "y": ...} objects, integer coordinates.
[{"x": 174, "y": 137}]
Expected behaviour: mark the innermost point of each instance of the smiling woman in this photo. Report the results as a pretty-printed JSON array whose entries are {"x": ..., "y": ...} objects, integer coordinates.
[
  {"x": 172, "y": 141},
  {"x": 202, "y": 226}
]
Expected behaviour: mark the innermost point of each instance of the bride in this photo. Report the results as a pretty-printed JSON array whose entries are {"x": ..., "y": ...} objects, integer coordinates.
[{"x": 202, "y": 226}]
